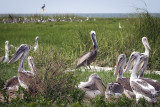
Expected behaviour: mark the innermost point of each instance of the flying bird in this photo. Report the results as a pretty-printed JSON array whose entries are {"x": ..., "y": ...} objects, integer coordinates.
[{"x": 43, "y": 7}]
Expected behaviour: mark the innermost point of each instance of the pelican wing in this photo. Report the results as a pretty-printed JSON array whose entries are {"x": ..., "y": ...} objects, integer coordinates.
[
  {"x": 86, "y": 57},
  {"x": 142, "y": 87},
  {"x": 125, "y": 82},
  {"x": 11, "y": 82},
  {"x": 91, "y": 86},
  {"x": 26, "y": 77},
  {"x": 154, "y": 83},
  {"x": 2, "y": 58}
]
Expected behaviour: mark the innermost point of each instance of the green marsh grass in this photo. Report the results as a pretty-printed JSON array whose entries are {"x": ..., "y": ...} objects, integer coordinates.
[{"x": 62, "y": 43}]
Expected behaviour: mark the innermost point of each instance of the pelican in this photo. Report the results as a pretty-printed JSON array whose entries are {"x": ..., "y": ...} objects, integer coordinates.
[
  {"x": 93, "y": 86},
  {"x": 125, "y": 82},
  {"x": 13, "y": 84},
  {"x": 114, "y": 88},
  {"x": 142, "y": 62},
  {"x": 141, "y": 88},
  {"x": 36, "y": 44},
  {"x": 119, "y": 26},
  {"x": 25, "y": 78},
  {"x": 32, "y": 65},
  {"x": 152, "y": 82},
  {"x": 5, "y": 58},
  {"x": 89, "y": 57}
]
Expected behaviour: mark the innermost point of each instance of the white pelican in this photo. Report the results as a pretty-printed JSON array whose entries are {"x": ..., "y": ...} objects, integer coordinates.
[
  {"x": 89, "y": 57},
  {"x": 36, "y": 44},
  {"x": 141, "y": 88},
  {"x": 13, "y": 84},
  {"x": 125, "y": 82},
  {"x": 152, "y": 82},
  {"x": 5, "y": 58},
  {"x": 142, "y": 62},
  {"x": 25, "y": 78},
  {"x": 92, "y": 87},
  {"x": 114, "y": 88}
]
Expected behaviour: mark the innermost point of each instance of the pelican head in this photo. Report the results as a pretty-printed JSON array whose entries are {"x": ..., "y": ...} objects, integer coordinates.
[
  {"x": 7, "y": 45},
  {"x": 120, "y": 64},
  {"x": 94, "y": 76},
  {"x": 23, "y": 49},
  {"x": 114, "y": 88},
  {"x": 145, "y": 42},
  {"x": 37, "y": 38},
  {"x": 31, "y": 63},
  {"x": 94, "y": 40},
  {"x": 133, "y": 57}
]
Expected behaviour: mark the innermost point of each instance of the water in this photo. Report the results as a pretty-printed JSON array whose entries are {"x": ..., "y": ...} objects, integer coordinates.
[{"x": 98, "y": 15}]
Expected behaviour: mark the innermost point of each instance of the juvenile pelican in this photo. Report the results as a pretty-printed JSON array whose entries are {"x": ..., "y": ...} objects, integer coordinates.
[
  {"x": 36, "y": 44},
  {"x": 114, "y": 88},
  {"x": 31, "y": 65},
  {"x": 13, "y": 84},
  {"x": 125, "y": 82},
  {"x": 141, "y": 88},
  {"x": 93, "y": 86},
  {"x": 89, "y": 57},
  {"x": 142, "y": 62},
  {"x": 25, "y": 78},
  {"x": 152, "y": 82},
  {"x": 5, "y": 58}
]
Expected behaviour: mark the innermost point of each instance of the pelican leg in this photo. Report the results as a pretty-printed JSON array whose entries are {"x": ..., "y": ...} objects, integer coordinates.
[{"x": 89, "y": 67}]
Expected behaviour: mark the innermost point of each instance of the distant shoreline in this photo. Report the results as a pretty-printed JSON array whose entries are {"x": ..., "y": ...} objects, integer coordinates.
[{"x": 92, "y": 15}]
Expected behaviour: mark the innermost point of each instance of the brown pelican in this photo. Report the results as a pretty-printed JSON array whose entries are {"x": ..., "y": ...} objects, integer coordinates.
[
  {"x": 142, "y": 62},
  {"x": 89, "y": 57},
  {"x": 141, "y": 88},
  {"x": 125, "y": 82},
  {"x": 152, "y": 82},
  {"x": 5, "y": 58},
  {"x": 25, "y": 78},
  {"x": 93, "y": 86},
  {"x": 114, "y": 88},
  {"x": 31, "y": 65},
  {"x": 36, "y": 44},
  {"x": 13, "y": 84}
]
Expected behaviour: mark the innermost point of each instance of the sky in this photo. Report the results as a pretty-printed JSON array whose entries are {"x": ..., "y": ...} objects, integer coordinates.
[{"x": 78, "y": 6}]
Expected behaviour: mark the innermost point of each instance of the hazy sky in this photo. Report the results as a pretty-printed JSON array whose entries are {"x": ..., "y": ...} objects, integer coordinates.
[{"x": 78, "y": 6}]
